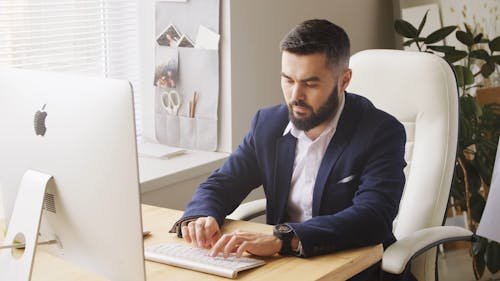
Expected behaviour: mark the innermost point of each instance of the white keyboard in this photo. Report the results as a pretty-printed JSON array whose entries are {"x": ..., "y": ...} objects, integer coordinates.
[{"x": 186, "y": 256}]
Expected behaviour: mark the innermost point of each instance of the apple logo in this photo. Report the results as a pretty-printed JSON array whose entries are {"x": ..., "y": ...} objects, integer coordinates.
[{"x": 39, "y": 122}]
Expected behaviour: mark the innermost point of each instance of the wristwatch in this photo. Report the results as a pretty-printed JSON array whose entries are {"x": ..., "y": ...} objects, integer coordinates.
[{"x": 285, "y": 233}]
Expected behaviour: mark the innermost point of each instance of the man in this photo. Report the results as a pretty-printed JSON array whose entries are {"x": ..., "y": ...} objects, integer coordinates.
[{"x": 330, "y": 163}]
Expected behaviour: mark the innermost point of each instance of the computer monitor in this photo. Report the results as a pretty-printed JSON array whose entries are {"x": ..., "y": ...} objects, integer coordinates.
[{"x": 84, "y": 136}]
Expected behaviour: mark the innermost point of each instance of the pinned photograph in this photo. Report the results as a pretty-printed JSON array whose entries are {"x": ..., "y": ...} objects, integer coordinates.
[
  {"x": 167, "y": 68},
  {"x": 185, "y": 42},
  {"x": 169, "y": 37}
]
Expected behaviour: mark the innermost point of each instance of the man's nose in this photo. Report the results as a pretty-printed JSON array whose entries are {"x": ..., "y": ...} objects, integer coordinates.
[{"x": 297, "y": 92}]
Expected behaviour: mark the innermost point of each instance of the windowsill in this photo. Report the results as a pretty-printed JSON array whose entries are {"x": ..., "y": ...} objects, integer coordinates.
[{"x": 156, "y": 173}]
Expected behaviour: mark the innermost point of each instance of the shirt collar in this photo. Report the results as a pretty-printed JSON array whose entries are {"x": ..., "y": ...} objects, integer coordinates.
[{"x": 290, "y": 128}]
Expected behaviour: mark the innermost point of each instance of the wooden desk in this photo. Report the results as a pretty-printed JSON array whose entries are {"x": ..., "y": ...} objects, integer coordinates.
[{"x": 337, "y": 266}]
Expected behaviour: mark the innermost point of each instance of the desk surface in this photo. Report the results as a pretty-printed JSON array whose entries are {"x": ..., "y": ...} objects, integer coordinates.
[{"x": 337, "y": 266}]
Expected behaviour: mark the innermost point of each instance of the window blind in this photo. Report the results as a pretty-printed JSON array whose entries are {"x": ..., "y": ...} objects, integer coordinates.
[{"x": 93, "y": 37}]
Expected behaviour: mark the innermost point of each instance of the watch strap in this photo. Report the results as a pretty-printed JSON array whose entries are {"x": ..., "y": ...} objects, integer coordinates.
[{"x": 286, "y": 239}]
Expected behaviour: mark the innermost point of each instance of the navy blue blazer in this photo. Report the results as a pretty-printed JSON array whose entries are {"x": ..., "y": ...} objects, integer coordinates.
[{"x": 358, "y": 187}]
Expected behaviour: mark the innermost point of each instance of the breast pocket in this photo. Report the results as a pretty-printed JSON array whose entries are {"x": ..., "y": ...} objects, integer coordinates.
[
  {"x": 347, "y": 179},
  {"x": 338, "y": 194}
]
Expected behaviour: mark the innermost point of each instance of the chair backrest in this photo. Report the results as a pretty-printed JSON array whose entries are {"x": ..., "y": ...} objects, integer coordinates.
[{"x": 420, "y": 90}]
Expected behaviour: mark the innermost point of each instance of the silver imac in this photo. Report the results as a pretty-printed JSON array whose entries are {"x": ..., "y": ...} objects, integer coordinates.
[{"x": 80, "y": 131}]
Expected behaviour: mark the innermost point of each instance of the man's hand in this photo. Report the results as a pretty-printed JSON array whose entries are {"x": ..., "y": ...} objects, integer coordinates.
[
  {"x": 258, "y": 244},
  {"x": 203, "y": 232}
]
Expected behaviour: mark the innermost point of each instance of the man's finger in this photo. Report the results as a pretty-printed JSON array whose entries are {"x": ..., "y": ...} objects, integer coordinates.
[
  {"x": 221, "y": 243},
  {"x": 200, "y": 232},
  {"x": 211, "y": 232},
  {"x": 191, "y": 232},
  {"x": 231, "y": 245},
  {"x": 185, "y": 233},
  {"x": 215, "y": 238},
  {"x": 242, "y": 248}
]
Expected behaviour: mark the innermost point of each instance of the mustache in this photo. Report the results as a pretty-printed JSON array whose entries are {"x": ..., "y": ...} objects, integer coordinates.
[{"x": 300, "y": 103}]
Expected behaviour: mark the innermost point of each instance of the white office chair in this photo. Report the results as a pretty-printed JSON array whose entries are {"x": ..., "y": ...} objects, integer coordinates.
[{"x": 420, "y": 90}]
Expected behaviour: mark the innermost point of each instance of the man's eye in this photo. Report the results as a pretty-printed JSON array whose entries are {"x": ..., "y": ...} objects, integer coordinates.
[{"x": 311, "y": 85}]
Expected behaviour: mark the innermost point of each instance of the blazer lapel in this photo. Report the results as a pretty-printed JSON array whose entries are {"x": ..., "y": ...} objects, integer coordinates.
[
  {"x": 332, "y": 154},
  {"x": 283, "y": 168},
  {"x": 336, "y": 147}
]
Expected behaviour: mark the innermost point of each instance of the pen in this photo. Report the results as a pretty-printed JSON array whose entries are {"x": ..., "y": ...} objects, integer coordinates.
[{"x": 192, "y": 105}]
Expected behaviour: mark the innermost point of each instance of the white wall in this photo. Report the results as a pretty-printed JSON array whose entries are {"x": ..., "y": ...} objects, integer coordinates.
[
  {"x": 2, "y": 215},
  {"x": 250, "y": 56}
]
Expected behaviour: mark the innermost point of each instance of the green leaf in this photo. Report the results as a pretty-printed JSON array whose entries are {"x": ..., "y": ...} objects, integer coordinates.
[
  {"x": 496, "y": 59},
  {"x": 467, "y": 103},
  {"x": 422, "y": 23},
  {"x": 439, "y": 34},
  {"x": 457, "y": 189},
  {"x": 465, "y": 38},
  {"x": 479, "y": 245},
  {"x": 464, "y": 75},
  {"x": 442, "y": 49},
  {"x": 409, "y": 42},
  {"x": 492, "y": 257},
  {"x": 468, "y": 29},
  {"x": 405, "y": 29},
  {"x": 477, "y": 205},
  {"x": 487, "y": 69},
  {"x": 478, "y": 250},
  {"x": 478, "y": 38},
  {"x": 480, "y": 54},
  {"x": 454, "y": 56},
  {"x": 495, "y": 44},
  {"x": 479, "y": 265}
]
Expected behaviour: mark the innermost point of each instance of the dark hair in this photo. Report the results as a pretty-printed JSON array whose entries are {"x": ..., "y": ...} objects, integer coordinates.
[{"x": 319, "y": 36}]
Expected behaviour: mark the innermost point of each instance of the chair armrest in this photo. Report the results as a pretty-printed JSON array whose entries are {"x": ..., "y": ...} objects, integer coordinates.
[
  {"x": 249, "y": 210},
  {"x": 400, "y": 254}
]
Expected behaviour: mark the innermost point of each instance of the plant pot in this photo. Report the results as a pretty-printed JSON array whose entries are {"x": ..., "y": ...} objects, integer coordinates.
[{"x": 489, "y": 95}]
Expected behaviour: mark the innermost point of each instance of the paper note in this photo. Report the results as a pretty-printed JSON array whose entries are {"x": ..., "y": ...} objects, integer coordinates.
[
  {"x": 207, "y": 39},
  {"x": 158, "y": 150}
]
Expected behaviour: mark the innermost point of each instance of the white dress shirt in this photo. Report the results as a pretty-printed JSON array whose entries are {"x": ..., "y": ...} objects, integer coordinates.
[{"x": 308, "y": 156}]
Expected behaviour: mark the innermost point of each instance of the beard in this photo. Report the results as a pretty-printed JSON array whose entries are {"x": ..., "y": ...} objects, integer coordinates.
[{"x": 326, "y": 111}]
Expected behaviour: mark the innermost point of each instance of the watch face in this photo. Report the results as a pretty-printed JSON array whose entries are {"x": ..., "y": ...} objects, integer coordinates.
[{"x": 283, "y": 228}]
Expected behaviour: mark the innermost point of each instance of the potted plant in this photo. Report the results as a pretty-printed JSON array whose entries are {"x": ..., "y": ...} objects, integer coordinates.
[{"x": 478, "y": 125}]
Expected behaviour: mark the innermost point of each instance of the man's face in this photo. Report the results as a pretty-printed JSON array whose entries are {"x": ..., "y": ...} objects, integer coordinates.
[{"x": 311, "y": 89}]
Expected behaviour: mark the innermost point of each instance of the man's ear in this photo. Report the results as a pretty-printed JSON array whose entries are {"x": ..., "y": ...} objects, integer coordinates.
[{"x": 346, "y": 78}]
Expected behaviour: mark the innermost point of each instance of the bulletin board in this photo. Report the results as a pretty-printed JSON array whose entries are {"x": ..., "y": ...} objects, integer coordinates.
[{"x": 187, "y": 73}]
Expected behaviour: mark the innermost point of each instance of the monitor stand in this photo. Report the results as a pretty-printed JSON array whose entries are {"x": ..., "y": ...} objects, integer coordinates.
[{"x": 24, "y": 225}]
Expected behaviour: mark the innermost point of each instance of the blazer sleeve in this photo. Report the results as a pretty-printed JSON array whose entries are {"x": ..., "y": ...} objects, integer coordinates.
[
  {"x": 375, "y": 204},
  {"x": 227, "y": 186}
]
